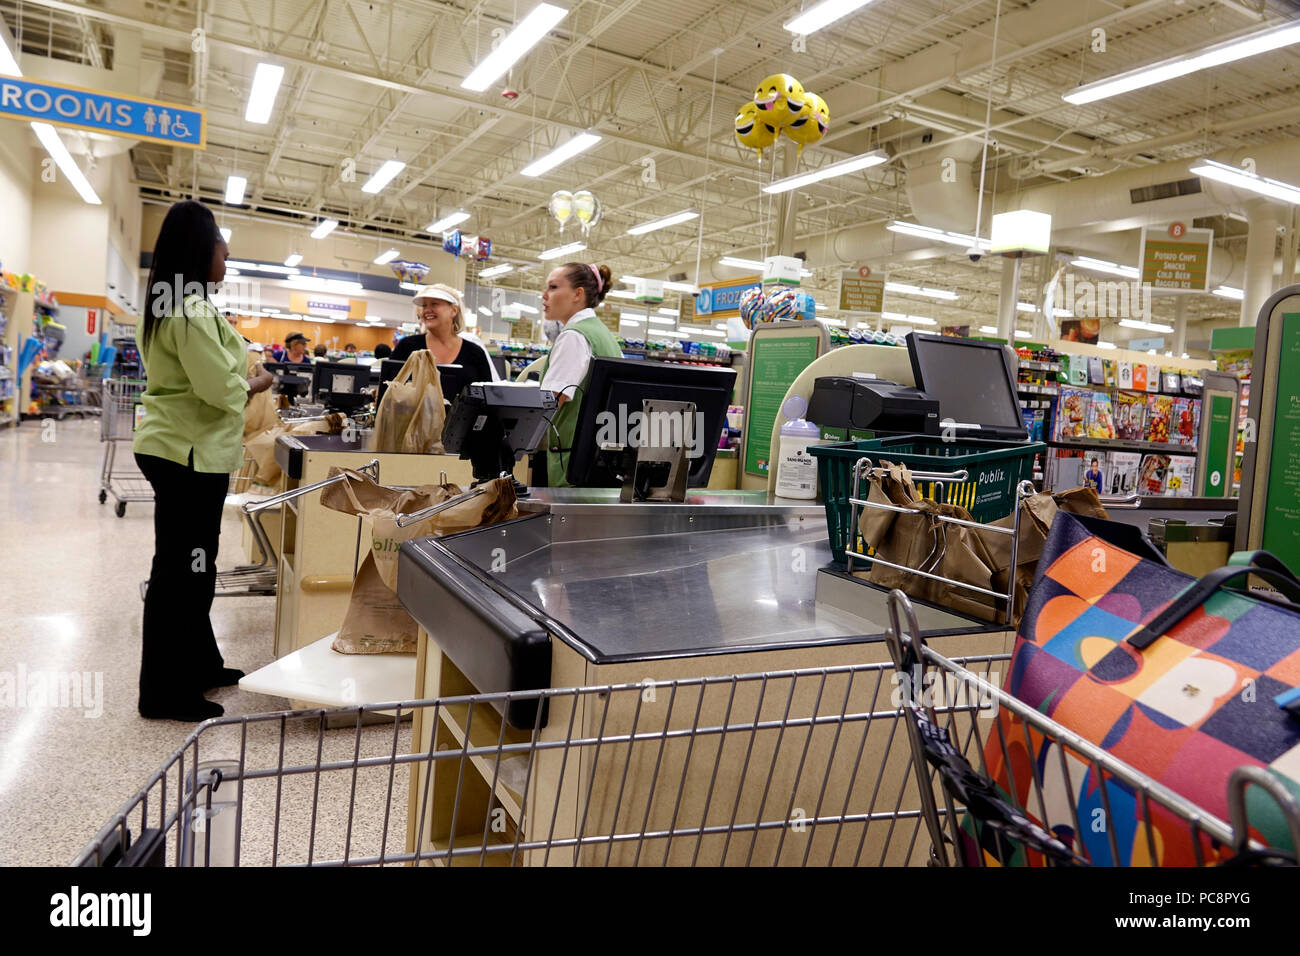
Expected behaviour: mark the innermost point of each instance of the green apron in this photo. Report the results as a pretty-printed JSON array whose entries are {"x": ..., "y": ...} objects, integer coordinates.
[{"x": 603, "y": 345}]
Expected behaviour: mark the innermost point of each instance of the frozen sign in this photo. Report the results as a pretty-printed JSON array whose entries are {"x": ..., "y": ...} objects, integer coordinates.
[
  {"x": 102, "y": 112},
  {"x": 722, "y": 300}
]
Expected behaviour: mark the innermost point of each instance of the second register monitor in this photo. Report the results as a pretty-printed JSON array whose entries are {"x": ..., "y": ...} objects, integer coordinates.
[{"x": 616, "y": 390}]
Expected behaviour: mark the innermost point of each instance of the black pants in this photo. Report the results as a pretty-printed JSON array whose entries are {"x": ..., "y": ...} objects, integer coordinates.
[{"x": 179, "y": 652}]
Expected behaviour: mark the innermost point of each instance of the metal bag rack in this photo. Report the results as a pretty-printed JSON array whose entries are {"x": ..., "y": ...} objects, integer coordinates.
[{"x": 865, "y": 468}]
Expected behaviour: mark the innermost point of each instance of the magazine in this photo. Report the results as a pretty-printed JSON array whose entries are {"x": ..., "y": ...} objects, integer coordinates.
[
  {"x": 1159, "y": 417},
  {"x": 1151, "y": 478},
  {"x": 1130, "y": 416},
  {"x": 1181, "y": 476},
  {"x": 1072, "y": 413},
  {"x": 1125, "y": 466},
  {"x": 1101, "y": 420}
]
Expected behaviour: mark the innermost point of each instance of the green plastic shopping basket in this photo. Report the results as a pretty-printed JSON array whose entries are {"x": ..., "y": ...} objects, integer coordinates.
[{"x": 994, "y": 470}]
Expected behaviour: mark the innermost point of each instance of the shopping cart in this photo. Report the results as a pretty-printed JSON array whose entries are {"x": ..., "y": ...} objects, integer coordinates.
[
  {"x": 800, "y": 767},
  {"x": 1035, "y": 819},
  {"x": 121, "y": 479}
]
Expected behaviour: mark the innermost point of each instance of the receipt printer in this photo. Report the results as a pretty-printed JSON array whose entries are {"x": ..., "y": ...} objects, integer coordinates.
[{"x": 858, "y": 404}]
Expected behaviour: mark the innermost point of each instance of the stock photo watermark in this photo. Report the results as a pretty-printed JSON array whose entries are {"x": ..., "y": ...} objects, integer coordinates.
[{"x": 41, "y": 690}]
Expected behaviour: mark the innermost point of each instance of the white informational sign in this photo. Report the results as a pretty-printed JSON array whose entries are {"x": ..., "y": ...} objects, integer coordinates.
[
  {"x": 512, "y": 312},
  {"x": 782, "y": 269},
  {"x": 650, "y": 290}
]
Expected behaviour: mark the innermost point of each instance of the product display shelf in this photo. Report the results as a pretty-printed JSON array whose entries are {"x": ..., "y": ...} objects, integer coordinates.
[
  {"x": 1119, "y": 444},
  {"x": 17, "y": 323}
]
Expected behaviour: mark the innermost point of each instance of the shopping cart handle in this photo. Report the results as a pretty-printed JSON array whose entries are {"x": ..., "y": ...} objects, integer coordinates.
[
  {"x": 252, "y": 507},
  {"x": 403, "y": 520}
]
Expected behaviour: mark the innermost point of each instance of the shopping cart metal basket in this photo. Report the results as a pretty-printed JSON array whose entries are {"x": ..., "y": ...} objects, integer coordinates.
[
  {"x": 801, "y": 767},
  {"x": 1035, "y": 819},
  {"x": 118, "y": 475}
]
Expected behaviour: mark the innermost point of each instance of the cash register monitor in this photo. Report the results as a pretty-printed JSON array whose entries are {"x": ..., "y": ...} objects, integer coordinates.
[
  {"x": 974, "y": 383},
  {"x": 339, "y": 385},
  {"x": 494, "y": 424},
  {"x": 291, "y": 378},
  {"x": 615, "y": 391}
]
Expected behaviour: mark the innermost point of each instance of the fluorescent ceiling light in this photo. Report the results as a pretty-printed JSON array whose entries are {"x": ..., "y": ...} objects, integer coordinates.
[
  {"x": 989, "y": 329},
  {"x": 257, "y": 267},
  {"x": 1020, "y": 306},
  {"x": 386, "y": 257},
  {"x": 530, "y": 31},
  {"x": 271, "y": 311},
  {"x": 446, "y": 222},
  {"x": 54, "y": 146},
  {"x": 917, "y": 290},
  {"x": 631, "y": 319},
  {"x": 1220, "y": 53},
  {"x": 1023, "y": 334},
  {"x": 8, "y": 64},
  {"x": 561, "y": 251},
  {"x": 374, "y": 318},
  {"x": 738, "y": 263},
  {"x": 658, "y": 320},
  {"x": 525, "y": 308},
  {"x": 325, "y": 285},
  {"x": 937, "y": 235},
  {"x": 564, "y": 151},
  {"x": 324, "y": 228},
  {"x": 622, "y": 294},
  {"x": 1101, "y": 265},
  {"x": 823, "y": 14},
  {"x": 231, "y": 272},
  {"x": 409, "y": 287},
  {"x": 235, "y": 186},
  {"x": 496, "y": 271},
  {"x": 484, "y": 310},
  {"x": 676, "y": 218},
  {"x": 669, "y": 332},
  {"x": 672, "y": 312},
  {"x": 837, "y": 323},
  {"x": 261, "y": 97},
  {"x": 1145, "y": 326},
  {"x": 912, "y": 319},
  {"x": 845, "y": 166},
  {"x": 225, "y": 233},
  {"x": 711, "y": 333},
  {"x": 668, "y": 286},
  {"x": 1107, "y": 345},
  {"x": 50, "y": 139},
  {"x": 293, "y": 259},
  {"x": 1228, "y": 292},
  {"x": 1245, "y": 180},
  {"x": 383, "y": 175}
]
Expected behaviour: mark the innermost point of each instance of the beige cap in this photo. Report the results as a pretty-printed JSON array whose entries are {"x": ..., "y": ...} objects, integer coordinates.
[{"x": 435, "y": 292}]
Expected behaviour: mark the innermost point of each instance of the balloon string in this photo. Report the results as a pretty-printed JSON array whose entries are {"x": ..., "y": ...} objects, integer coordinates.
[
  {"x": 708, "y": 160},
  {"x": 988, "y": 118}
]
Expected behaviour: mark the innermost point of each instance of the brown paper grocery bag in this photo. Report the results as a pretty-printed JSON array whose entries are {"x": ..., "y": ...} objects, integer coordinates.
[
  {"x": 412, "y": 414},
  {"x": 376, "y": 622}
]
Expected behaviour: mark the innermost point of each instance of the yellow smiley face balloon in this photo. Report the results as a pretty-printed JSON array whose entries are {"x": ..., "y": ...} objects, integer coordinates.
[
  {"x": 812, "y": 125},
  {"x": 780, "y": 98},
  {"x": 753, "y": 130}
]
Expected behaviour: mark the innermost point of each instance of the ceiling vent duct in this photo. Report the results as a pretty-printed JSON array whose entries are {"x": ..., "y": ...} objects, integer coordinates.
[{"x": 1181, "y": 187}]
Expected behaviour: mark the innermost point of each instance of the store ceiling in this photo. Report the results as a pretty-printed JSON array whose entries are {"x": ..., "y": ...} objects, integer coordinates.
[{"x": 369, "y": 81}]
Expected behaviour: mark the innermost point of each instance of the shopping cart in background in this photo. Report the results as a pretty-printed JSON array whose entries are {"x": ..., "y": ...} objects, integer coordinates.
[
  {"x": 1029, "y": 815},
  {"x": 121, "y": 410}
]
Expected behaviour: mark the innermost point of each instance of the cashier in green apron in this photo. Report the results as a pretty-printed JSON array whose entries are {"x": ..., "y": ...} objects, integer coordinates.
[{"x": 572, "y": 293}]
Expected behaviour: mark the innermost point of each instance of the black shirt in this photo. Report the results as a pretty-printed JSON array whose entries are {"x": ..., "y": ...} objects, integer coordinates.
[{"x": 471, "y": 357}]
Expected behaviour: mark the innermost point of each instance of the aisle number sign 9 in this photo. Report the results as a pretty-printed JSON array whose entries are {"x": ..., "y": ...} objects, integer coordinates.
[{"x": 101, "y": 112}]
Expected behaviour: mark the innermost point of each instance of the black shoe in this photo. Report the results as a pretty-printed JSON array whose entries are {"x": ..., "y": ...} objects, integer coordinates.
[
  {"x": 190, "y": 711},
  {"x": 226, "y": 677}
]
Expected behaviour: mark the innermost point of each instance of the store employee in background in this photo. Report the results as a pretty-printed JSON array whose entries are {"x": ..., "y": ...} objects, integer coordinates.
[
  {"x": 440, "y": 312},
  {"x": 188, "y": 443},
  {"x": 572, "y": 293}
]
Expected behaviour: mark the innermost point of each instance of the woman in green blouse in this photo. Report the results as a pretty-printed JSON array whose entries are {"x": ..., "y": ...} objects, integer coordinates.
[{"x": 189, "y": 441}]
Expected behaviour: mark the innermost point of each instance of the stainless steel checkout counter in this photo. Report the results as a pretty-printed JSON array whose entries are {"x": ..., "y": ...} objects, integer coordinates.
[{"x": 584, "y": 591}]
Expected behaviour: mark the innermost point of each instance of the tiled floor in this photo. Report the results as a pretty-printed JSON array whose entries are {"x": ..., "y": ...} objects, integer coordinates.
[{"x": 70, "y": 572}]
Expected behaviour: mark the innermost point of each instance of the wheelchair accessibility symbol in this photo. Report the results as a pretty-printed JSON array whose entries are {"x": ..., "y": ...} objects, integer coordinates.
[{"x": 179, "y": 129}]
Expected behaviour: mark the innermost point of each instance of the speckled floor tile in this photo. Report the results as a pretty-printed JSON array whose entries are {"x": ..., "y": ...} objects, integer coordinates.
[{"x": 71, "y": 572}]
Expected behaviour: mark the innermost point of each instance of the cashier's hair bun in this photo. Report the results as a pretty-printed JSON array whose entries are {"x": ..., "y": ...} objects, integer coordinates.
[{"x": 584, "y": 277}]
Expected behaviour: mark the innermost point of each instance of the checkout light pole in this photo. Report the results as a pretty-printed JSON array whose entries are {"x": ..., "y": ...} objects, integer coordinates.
[{"x": 1014, "y": 236}]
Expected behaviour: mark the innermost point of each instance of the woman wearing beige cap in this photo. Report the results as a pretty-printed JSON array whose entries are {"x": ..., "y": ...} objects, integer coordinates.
[{"x": 438, "y": 309}]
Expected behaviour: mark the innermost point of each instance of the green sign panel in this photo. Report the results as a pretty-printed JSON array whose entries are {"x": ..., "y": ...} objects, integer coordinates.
[
  {"x": 777, "y": 362},
  {"x": 1216, "y": 482},
  {"x": 1282, "y": 506}
]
